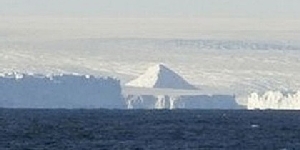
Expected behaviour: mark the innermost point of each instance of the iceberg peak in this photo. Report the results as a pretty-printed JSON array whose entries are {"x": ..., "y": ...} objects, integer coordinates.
[{"x": 160, "y": 76}]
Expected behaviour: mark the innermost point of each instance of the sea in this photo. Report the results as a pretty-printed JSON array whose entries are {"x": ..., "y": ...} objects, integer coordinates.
[{"x": 103, "y": 129}]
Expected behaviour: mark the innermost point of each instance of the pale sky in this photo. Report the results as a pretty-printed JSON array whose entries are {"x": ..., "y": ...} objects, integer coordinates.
[{"x": 154, "y": 8}]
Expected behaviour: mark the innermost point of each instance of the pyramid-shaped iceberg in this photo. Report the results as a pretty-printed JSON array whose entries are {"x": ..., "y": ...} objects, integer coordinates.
[{"x": 159, "y": 76}]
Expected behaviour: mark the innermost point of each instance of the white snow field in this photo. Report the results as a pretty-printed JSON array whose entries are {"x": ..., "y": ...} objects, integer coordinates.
[
  {"x": 234, "y": 71},
  {"x": 61, "y": 91},
  {"x": 230, "y": 56},
  {"x": 274, "y": 100}
]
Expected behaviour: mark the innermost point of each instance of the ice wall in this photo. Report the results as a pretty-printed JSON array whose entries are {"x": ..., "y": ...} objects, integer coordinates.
[
  {"x": 60, "y": 91},
  {"x": 181, "y": 102},
  {"x": 207, "y": 102},
  {"x": 274, "y": 100}
]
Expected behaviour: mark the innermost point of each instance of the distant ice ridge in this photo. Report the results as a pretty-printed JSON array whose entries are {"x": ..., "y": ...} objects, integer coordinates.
[
  {"x": 159, "y": 76},
  {"x": 59, "y": 91},
  {"x": 274, "y": 100},
  {"x": 196, "y": 44},
  {"x": 234, "y": 45}
]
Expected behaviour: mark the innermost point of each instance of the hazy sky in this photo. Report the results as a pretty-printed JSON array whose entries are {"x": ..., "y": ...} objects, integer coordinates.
[{"x": 154, "y": 8}]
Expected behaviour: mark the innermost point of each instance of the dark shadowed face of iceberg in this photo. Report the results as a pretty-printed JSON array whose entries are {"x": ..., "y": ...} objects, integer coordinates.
[{"x": 65, "y": 91}]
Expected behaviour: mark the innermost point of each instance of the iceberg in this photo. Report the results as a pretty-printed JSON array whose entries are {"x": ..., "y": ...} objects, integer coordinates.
[
  {"x": 161, "y": 88},
  {"x": 181, "y": 102},
  {"x": 274, "y": 100},
  {"x": 59, "y": 91},
  {"x": 160, "y": 76}
]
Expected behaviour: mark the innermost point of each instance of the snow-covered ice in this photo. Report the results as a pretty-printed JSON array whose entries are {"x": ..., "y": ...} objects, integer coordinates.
[
  {"x": 159, "y": 76},
  {"x": 234, "y": 71},
  {"x": 182, "y": 102},
  {"x": 231, "y": 56},
  {"x": 171, "y": 91},
  {"x": 274, "y": 100}
]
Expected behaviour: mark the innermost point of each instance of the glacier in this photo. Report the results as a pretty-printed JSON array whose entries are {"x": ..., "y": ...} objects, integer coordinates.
[
  {"x": 245, "y": 70},
  {"x": 256, "y": 55},
  {"x": 19, "y": 90},
  {"x": 274, "y": 100}
]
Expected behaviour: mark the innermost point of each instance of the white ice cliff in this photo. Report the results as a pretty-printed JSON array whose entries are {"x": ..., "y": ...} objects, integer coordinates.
[
  {"x": 181, "y": 102},
  {"x": 274, "y": 100}
]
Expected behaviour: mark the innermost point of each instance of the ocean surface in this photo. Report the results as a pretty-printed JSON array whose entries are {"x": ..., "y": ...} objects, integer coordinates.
[{"x": 39, "y": 129}]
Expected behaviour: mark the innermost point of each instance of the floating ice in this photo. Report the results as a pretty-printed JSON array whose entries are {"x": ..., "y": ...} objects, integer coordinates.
[
  {"x": 274, "y": 100},
  {"x": 181, "y": 102},
  {"x": 61, "y": 91},
  {"x": 159, "y": 76}
]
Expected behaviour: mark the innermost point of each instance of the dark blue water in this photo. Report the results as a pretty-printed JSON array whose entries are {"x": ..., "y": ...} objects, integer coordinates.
[{"x": 22, "y": 129}]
